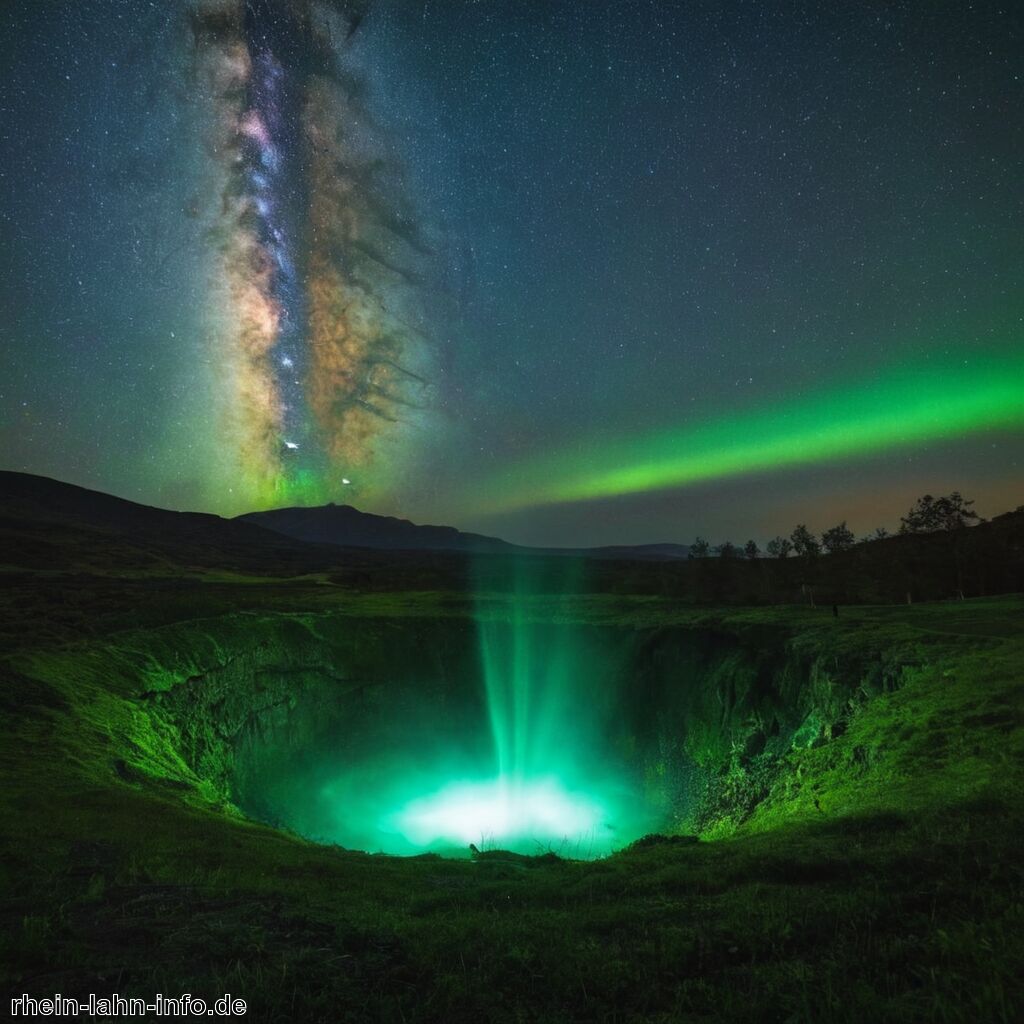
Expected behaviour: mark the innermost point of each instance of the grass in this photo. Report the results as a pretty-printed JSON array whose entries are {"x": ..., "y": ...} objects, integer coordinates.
[
  {"x": 877, "y": 878},
  {"x": 881, "y": 918}
]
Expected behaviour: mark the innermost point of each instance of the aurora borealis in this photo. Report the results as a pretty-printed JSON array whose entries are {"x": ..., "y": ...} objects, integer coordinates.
[
  {"x": 913, "y": 405},
  {"x": 567, "y": 273}
]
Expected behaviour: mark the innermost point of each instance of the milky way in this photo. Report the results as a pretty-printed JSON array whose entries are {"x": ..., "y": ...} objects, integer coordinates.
[{"x": 311, "y": 311}]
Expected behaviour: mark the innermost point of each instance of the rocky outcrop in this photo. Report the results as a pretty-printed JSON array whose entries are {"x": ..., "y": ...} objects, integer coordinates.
[{"x": 718, "y": 711}]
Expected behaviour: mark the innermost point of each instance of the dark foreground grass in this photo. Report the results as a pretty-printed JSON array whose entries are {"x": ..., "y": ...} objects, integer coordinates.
[
  {"x": 867, "y": 918},
  {"x": 880, "y": 878}
]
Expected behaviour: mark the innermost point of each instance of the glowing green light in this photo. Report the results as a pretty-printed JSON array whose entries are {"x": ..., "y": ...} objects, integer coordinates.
[
  {"x": 905, "y": 407},
  {"x": 548, "y": 689},
  {"x": 529, "y": 751},
  {"x": 504, "y": 812}
]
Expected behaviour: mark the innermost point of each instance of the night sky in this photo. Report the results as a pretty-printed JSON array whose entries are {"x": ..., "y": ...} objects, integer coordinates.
[{"x": 565, "y": 272}]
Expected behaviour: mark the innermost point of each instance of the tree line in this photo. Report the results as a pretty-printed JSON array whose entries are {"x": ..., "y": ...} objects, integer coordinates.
[{"x": 927, "y": 515}]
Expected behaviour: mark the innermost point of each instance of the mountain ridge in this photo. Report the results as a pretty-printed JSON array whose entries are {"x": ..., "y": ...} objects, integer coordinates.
[
  {"x": 297, "y": 535},
  {"x": 346, "y": 526}
]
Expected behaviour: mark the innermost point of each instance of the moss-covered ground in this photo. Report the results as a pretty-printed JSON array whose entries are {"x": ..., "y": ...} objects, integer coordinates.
[{"x": 874, "y": 877}]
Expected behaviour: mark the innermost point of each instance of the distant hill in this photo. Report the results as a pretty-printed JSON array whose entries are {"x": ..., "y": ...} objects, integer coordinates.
[
  {"x": 641, "y": 552},
  {"x": 348, "y": 527},
  {"x": 49, "y": 524},
  {"x": 45, "y": 521}
]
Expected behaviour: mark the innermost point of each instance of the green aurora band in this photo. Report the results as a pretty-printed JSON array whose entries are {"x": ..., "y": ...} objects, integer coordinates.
[{"x": 906, "y": 407}]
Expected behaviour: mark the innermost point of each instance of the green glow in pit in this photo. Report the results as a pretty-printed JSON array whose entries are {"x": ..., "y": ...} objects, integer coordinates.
[
  {"x": 505, "y": 813},
  {"x": 543, "y": 682},
  {"x": 526, "y": 747}
]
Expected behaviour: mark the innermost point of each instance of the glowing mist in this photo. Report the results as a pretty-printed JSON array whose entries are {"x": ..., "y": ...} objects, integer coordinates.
[
  {"x": 552, "y": 787},
  {"x": 508, "y": 732}
]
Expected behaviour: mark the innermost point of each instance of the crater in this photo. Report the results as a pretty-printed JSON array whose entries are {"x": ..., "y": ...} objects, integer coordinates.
[
  {"x": 496, "y": 734},
  {"x": 519, "y": 729}
]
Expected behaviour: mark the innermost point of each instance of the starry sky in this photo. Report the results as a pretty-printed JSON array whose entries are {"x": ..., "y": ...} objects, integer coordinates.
[{"x": 569, "y": 273}]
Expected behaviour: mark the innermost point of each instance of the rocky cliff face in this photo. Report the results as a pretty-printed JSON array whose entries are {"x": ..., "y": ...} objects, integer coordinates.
[{"x": 718, "y": 712}]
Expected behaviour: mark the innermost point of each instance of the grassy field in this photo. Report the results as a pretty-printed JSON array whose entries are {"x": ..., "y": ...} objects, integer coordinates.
[{"x": 875, "y": 877}]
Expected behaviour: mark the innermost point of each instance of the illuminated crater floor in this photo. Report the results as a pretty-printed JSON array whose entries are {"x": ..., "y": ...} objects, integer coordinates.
[
  {"x": 531, "y": 817},
  {"x": 519, "y": 734},
  {"x": 432, "y": 812},
  {"x": 404, "y": 800}
]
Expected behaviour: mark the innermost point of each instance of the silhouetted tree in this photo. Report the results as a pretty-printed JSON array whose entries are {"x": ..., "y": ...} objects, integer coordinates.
[
  {"x": 929, "y": 515},
  {"x": 838, "y": 538},
  {"x": 727, "y": 550},
  {"x": 780, "y": 547},
  {"x": 804, "y": 542},
  {"x": 700, "y": 548},
  {"x": 950, "y": 513},
  {"x": 751, "y": 550},
  {"x": 807, "y": 548}
]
